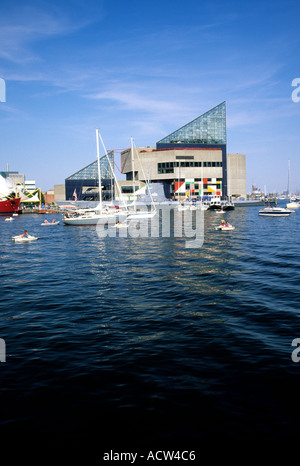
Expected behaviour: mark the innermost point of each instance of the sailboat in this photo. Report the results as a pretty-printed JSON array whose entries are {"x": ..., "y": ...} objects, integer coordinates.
[
  {"x": 293, "y": 204},
  {"x": 101, "y": 214},
  {"x": 135, "y": 214}
]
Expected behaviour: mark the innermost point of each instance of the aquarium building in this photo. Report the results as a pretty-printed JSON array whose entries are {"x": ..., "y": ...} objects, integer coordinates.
[{"x": 192, "y": 161}]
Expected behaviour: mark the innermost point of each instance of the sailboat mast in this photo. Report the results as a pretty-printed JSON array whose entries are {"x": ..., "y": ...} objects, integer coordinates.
[
  {"x": 289, "y": 172},
  {"x": 99, "y": 172},
  {"x": 133, "y": 172}
]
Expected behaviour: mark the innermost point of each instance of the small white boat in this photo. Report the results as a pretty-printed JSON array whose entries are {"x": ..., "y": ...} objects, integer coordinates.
[
  {"x": 220, "y": 211},
  {"x": 275, "y": 212},
  {"x": 24, "y": 239},
  {"x": 9, "y": 219},
  {"x": 293, "y": 205},
  {"x": 121, "y": 225},
  {"x": 225, "y": 228},
  {"x": 15, "y": 214},
  {"x": 49, "y": 223}
]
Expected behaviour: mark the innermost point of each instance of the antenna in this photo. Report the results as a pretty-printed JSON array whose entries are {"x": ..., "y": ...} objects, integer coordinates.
[{"x": 289, "y": 172}]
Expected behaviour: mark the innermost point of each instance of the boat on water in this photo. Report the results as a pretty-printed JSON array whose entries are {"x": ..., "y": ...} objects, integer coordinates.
[
  {"x": 9, "y": 199},
  {"x": 228, "y": 205},
  {"x": 275, "y": 212},
  {"x": 108, "y": 214},
  {"x": 49, "y": 223},
  {"x": 24, "y": 239},
  {"x": 225, "y": 228},
  {"x": 217, "y": 204},
  {"x": 293, "y": 205}
]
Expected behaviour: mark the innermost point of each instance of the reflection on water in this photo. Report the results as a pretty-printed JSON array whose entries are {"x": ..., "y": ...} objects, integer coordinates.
[{"x": 148, "y": 324}]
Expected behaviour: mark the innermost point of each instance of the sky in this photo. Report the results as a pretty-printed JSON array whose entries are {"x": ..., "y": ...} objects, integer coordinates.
[{"x": 143, "y": 69}]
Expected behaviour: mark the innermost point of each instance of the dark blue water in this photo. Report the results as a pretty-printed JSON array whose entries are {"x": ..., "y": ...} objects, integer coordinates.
[{"x": 142, "y": 341}]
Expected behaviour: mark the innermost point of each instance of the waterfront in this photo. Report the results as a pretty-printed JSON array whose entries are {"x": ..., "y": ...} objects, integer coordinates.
[{"x": 144, "y": 340}]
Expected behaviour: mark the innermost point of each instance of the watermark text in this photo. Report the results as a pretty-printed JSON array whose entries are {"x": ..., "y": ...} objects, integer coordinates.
[{"x": 296, "y": 92}]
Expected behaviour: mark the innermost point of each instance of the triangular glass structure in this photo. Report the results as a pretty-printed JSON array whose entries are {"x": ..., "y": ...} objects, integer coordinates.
[
  {"x": 209, "y": 128},
  {"x": 90, "y": 172}
]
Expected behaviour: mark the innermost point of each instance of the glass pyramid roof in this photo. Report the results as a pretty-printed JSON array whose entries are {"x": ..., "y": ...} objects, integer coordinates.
[
  {"x": 209, "y": 128},
  {"x": 90, "y": 172}
]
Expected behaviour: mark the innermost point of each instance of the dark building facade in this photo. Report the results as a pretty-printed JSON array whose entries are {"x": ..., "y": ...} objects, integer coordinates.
[{"x": 84, "y": 184}]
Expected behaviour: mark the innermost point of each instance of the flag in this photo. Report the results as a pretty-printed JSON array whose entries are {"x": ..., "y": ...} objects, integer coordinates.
[{"x": 75, "y": 195}]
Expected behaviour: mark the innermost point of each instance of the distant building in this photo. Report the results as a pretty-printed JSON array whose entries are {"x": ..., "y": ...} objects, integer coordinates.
[
  {"x": 49, "y": 196},
  {"x": 84, "y": 185},
  {"x": 14, "y": 176},
  {"x": 59, "y": 192},
  {"x": 190, "y": 162},
  {"x": 30, "y": 185}
]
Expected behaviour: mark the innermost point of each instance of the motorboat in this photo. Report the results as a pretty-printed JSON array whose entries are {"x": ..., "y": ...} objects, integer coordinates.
[
  {"x": 293, "y": 205},
  {"x": 228, "y": 206},
  {"x": 275, "y": 212}
]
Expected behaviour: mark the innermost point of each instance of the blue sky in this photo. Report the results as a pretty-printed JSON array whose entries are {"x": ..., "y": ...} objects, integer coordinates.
[{"x": 144, "y": 69}]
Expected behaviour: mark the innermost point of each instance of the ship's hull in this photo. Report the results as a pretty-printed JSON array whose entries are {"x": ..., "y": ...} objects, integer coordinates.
[
  {"x": 10, "y": 206},
  {"x": 95, "y": 219}
]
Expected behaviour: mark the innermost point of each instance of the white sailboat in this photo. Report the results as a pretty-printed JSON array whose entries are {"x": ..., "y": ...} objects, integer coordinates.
[
  {"x": 100, "y": 214},
  {"x": 135, "y": 214},
  {"x": 293, "y": 204}
]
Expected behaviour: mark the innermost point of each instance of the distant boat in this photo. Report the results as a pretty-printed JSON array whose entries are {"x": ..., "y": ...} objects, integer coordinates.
[
  {"x": 225, "y": 228},
  {"x": 228, "y": 205},
  {"x": 49, "y": 223},
  {"x": 275, "y": 212},
  {"x": 293, "y": 205}
]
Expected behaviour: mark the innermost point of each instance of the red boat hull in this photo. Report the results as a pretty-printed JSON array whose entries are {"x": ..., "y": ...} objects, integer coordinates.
[{"x": 10, "y": 206}]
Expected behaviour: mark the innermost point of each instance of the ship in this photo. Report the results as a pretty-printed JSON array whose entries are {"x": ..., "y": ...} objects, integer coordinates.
[
  {"x": 9, "y": 199},
  {"x": 10, "y": 205}
]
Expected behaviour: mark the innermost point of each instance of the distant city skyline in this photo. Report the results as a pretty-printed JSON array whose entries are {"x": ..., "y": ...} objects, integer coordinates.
[{"x": 144, "y": 69}]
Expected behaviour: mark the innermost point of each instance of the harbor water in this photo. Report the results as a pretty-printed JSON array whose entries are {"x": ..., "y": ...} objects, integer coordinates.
[{"x": 144, "y": 342}]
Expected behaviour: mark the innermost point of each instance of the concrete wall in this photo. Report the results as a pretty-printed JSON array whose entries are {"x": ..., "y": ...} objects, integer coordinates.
[
  {"x": 59, "y": 192},
  {"x": 236, "y": 175},
  {"x": 145, "y": 163}
]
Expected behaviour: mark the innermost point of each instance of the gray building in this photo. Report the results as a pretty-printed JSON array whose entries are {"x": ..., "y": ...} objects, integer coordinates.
[{"x": 192, "y": 161}]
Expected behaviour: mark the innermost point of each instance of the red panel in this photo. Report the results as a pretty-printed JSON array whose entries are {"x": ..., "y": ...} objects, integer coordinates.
[
  {"x": 178, "y": 184},
  {"x": 204, "y": 180}
]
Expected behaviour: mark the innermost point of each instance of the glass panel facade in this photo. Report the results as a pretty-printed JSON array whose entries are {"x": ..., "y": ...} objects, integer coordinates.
[
  {"x": 209, "y": 128},
  {"x": 91, "y": 171}
]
